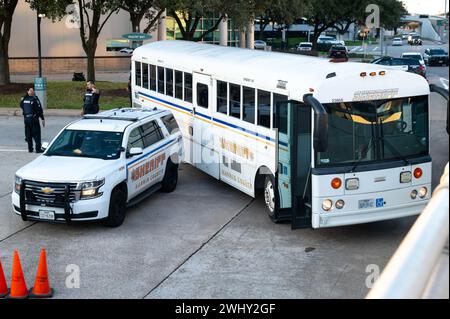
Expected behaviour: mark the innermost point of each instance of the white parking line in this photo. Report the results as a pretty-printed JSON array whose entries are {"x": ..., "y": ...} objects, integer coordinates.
[
  {"x": 376, "y": 48},
  {"x": 13, "y": 151}
]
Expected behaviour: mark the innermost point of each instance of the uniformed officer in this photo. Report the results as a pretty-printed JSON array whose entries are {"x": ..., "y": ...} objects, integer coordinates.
[
  {"x": 32, "y": 111},
  {"x": 91, "y": 99}
]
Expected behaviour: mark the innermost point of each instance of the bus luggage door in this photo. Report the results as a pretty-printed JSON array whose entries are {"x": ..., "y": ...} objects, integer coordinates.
[
  {"x": 294, "y": 146},
  {"x": 204, "y": 156}
]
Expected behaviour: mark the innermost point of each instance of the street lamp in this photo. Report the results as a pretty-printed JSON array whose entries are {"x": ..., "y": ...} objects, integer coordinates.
[
  {"x": 39, "y": 19},
  {"x": 40, "y": 83}
]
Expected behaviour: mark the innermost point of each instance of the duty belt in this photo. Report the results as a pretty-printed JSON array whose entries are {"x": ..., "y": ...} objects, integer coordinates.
[{"x": 29, "y": 115}]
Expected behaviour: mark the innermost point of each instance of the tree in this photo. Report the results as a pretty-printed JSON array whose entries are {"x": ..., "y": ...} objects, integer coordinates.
[
  {"x": 91, "y": 25},
  {"x": 188, "y": 15},
  {"x": 151, "y": 10},
  {"x": 53, "y": 9},
  {"x": 7, "y": 8},
  {"x": 391, "y": 12}
]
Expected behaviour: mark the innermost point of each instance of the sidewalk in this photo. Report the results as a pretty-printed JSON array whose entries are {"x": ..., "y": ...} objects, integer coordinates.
[{"x": 5, "y": 111}]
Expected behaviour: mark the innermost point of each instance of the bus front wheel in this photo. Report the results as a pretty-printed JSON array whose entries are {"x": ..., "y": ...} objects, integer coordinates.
[{"x": 271, "y": 198}]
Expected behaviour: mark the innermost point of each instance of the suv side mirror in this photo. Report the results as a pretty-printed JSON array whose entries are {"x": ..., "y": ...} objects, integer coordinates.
[
  {"x": 45, "y": 146},
  {"x": 134, "y": 151}
]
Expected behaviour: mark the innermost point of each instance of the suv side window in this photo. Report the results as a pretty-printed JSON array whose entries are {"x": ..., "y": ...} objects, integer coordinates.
[
  {"x": 151, "y": 133},
  {"x": 171, "y": 124},
  {"x": 135, "y": 139}
]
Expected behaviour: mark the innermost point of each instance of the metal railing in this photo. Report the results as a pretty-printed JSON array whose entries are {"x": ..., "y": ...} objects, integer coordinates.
[{"x": 419, "y": 268}]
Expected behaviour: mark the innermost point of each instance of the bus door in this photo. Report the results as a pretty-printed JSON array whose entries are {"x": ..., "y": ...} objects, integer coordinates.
[
  {"x": 293, "y": 178},
  {"x": 204, "y": 156}
]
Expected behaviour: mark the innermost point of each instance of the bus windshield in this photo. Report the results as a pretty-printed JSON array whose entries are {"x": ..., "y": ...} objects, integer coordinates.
[{"x": 374, "y": 131}]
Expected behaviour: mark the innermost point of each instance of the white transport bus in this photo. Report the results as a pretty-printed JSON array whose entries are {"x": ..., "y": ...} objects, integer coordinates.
[{"x": 330, "y": 144}]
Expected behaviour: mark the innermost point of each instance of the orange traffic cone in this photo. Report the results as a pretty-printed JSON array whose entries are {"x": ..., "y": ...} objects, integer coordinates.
[
  {"x": 18, "y": 286},
  {"x": 42, "y": 287},
  {"x": 4, "y": 291}
]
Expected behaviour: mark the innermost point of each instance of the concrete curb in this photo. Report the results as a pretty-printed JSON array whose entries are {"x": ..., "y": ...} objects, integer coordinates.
[{"x": 50, "y": 112}]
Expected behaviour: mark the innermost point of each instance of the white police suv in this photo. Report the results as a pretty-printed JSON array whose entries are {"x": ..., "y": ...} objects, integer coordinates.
[{"x": 100, "y": 165}]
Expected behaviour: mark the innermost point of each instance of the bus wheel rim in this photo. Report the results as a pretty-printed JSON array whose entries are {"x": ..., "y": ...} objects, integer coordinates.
[{"x": 269, "y": 196}]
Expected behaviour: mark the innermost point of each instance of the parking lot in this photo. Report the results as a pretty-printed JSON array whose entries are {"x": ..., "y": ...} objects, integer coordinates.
[{"x": 205, "y": 240}]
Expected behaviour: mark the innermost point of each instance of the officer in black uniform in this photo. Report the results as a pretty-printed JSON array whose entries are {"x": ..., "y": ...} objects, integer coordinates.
[
  {"x": 32, "y": 111},
  {"x": 91, "y": 99}
]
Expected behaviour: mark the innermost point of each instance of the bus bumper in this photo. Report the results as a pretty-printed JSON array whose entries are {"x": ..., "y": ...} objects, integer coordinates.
[{"x": 402, "y": 207}]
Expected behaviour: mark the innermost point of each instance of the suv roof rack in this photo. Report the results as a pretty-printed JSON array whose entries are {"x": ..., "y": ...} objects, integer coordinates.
[{"x": 123, "y": 114}]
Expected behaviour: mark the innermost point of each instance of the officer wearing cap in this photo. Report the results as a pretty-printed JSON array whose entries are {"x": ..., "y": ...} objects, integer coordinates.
[
  {"x": 32, "y": 112},
  {"x": 91, "y": 99}
]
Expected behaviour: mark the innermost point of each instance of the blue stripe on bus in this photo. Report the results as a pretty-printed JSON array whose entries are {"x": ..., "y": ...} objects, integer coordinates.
[{"x": 267, "y": 138}]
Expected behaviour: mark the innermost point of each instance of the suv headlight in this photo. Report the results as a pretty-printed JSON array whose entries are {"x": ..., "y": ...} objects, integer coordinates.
[
  {"x": 90, "y": 190},
  {"x": 17, "y": 184}
]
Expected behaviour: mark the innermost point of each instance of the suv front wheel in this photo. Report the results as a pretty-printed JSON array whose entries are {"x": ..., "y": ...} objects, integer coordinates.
[{"x": 117, "y": 208}]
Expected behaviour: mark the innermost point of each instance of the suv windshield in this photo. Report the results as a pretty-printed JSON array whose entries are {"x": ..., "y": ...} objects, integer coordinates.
[
  {"x": 89, "y": 144},
  {"x": 437, "y": 52},
  {"x": 369, "y": 131}
]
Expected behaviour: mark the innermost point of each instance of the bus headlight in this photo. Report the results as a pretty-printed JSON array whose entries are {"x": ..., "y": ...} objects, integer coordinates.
[
  {"x": 90, "y": 190},
  {"x": 327, "y": 205},
  {"x": 17, "y": 184},
  {"x": 414, "y": 194},
  {"x": 423, "y": 192},
  {"x": 405, "y": 177},
  {"x": 340, "y": 204},
  {"x": 352, "y": 184}
]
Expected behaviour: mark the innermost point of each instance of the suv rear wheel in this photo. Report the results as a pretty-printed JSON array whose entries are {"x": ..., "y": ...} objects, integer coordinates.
[{"x": 170, "y": 180}]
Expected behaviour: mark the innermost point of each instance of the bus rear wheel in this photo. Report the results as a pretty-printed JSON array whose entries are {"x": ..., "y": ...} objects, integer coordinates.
[{"x": 271, "y": 198}]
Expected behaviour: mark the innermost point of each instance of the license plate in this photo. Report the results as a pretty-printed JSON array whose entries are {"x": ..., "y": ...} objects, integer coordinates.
[
  {"x": 371, "y": 203},
  {"x": 46, "y": 215}
]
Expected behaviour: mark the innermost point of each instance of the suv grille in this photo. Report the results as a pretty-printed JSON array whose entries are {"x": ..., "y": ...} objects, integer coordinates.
[{"x": 50, "y": 193}]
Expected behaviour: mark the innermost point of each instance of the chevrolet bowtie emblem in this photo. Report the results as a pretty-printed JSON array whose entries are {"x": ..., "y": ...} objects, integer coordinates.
[{"x": 47, "y": 190}]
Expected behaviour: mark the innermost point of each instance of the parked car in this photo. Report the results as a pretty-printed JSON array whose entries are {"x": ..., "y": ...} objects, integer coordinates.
[
  {"x": 127, "y": 51},
  {"x": 397, "y": 42},
  {"x": 338, "y": 52},
  {"x": 260, "y": 45},
  {"x": 414, "y": 40},
  {"x": 99, "y": 165},
  {"x": 405, "y": 36},
  {"x": 436, "y": 57},
  {"x": 329, "y": 40},
  {"x": 305, "y": 46},
  {"x": 408, "y": 65},
  {"x": 414, "y": 55}
]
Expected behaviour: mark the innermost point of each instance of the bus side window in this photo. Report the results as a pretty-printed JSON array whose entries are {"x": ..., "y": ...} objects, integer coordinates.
[
  {"x": 169, "y": 82},
  {"x": 249, "y": 104},
  {"x": 202, "y": 95},
  {"x": 153, "y": 78},
  {"x": 145, "y": 75},
  {"x": 161, "y": 80},
  {"x": 188, "y": 87},
  {"x": 277, "y": 100},
  {"x": 235, "y": 101},
  {"x": 222, "y": 97},
  {"x": 138, "y": 74},
  {"x": 179, "y": 85},
  {"x": 263, "y": 108}
]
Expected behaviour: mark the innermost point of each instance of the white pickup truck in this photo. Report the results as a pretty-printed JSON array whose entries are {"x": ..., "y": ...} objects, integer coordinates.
[{"x": 98, "y": 166}]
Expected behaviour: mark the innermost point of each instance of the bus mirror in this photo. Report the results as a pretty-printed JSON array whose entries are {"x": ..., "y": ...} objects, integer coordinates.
[
  {"x": 320, "y": 134},
  {"x": 442, "y": 92}
]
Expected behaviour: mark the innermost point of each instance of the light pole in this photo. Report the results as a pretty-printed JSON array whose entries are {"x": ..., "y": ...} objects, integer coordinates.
[
  {"x": 39, "y": 19},
  {"x": 40, "y": 83}
]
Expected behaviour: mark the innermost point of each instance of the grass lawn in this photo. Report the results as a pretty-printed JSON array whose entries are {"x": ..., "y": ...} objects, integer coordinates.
[{"x": 67, "y": 95}]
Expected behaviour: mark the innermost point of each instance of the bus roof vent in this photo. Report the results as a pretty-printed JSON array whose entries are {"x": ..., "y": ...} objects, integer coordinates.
[{"x": 331, "y": 75}]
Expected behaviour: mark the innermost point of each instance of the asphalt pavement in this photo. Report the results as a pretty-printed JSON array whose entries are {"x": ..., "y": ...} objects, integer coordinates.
[{"x": 205, "y": 240}]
